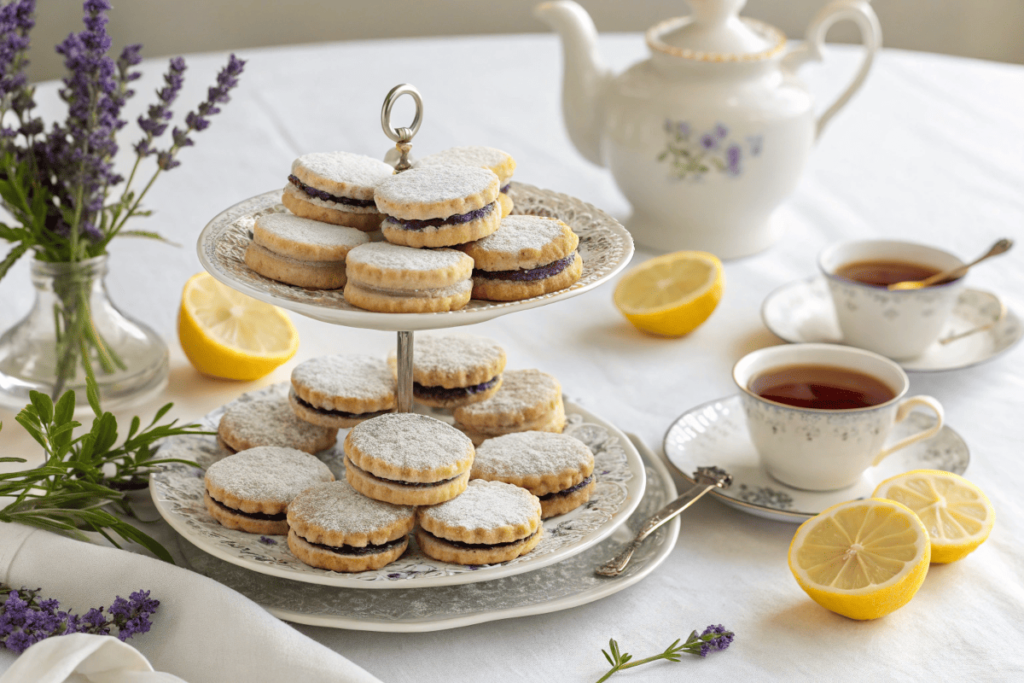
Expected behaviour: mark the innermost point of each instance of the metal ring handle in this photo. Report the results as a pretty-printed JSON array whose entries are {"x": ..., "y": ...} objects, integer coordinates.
[{"x": 403, "y": 134}]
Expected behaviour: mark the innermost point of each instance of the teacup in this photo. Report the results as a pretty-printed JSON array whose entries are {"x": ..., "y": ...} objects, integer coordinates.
[
  {"x": 822, "y": 449},
  {"x": 899, "y": 324}
]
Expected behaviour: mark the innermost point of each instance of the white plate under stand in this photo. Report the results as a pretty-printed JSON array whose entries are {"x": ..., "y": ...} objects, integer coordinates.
[
  {"x": 802, "y": 311},
  {"x": 715, "y": 433},
  {"x": 605, "y": 247},
  {"x": 561, "y": 586},
  {"x": 177, "y": 492}
]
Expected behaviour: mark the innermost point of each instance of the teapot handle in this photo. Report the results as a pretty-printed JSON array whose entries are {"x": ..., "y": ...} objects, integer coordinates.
[{"x": 860, "y": 13}]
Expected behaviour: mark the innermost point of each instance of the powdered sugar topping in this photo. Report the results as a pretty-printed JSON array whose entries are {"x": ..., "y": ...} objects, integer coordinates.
[
  {"x": 432, "y": 184},
  {"x": 387, "y": 256},
  {"x": 337, "y": 507},
  {"x": 351, "y": 377},
  {"x": 306, "y": 231},
  {"x": 532, "y": 453},
  {"x": 409, "y": 440},
  {"x": 453, "y": 353},
  {"x": 268, "y": 421},
  {"x": 344, "y": 167},
  {"x": 267, "y": 474},
  {"x": 474, "y": 155},
  {"x": 486, "y": 505},
  {"x": 521, "y": 390},
  {"x": 522, "y": 235}
]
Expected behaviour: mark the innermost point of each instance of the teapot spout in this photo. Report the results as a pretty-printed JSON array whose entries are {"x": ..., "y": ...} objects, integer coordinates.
[{"x": 585, "y": 74}]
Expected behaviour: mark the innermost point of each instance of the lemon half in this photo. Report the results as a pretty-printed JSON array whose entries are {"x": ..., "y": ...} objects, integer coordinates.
[
  {"x": 956, "y": 513},
  {"x": 671, "y": 295},
  {"x": 862, "y": 559},
  {"x": 227, "y": 334}
]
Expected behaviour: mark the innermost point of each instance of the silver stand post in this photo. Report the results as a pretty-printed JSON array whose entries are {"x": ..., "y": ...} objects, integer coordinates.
[{"x": 404, "y": 372}]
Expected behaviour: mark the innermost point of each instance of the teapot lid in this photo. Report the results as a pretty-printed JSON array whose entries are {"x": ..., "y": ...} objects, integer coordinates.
[{"x": 715, "y": 32}]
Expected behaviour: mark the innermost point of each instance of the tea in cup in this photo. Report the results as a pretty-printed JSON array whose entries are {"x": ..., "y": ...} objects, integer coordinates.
[
  {"x": 899, "y": 324},
  {"x": 819, "y": 414}
]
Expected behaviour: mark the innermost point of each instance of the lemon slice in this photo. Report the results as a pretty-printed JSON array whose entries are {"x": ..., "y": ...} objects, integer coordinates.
[
  {"x": 957, "y": 515},
  {"x": 671, "y": 295},
  {"x": 227, "y": 334},
  {"x": 862, "y": 559}
]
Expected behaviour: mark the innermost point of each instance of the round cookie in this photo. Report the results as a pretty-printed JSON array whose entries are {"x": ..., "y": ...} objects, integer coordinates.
[
  {"x": 453, "y": 370},
  {"x": 556, "y": 468},
  {"x": 301, "y": 252},
  {"x": 341, "y": 391},
  {"x": 498, "y": 162},
  {"x": 490, "y": 522},
  {"x": 408, "y": 459},
  {"x": 251, "y": 490},
  {"x": 439, "y": 206},
  {"x": 389, "y": 278},
  {"x": 555, "y": 423},
  {"x": 336, "y": 187},
  {"x": 528, "y": 256},
  {"x": 332, "y": 526},
  {"x": 527, "y": 400},
  {"x": 251, "y": 421}
]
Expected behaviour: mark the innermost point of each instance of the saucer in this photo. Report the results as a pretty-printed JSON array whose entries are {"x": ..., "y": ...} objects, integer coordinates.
[
  {"x": 802, "y": 311},
  {"x": 715, "y": 433}
]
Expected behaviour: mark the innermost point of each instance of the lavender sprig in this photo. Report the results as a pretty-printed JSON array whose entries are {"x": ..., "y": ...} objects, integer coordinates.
[
  {"x": 25, "y": 619},
  {"x": 714, "y": 638}
]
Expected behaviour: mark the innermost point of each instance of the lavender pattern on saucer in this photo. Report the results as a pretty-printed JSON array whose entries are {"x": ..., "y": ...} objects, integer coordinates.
[{"x": 180, "y": 489}]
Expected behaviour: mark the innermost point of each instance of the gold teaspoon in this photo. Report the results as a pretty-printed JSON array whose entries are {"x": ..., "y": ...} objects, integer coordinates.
[{"x": 1000, "y": 247}]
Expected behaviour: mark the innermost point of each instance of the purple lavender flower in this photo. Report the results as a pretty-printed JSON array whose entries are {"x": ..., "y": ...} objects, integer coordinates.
[
  {"x": 720, "y": 130},
  {"x": 709, "y": 141},
  {"x": 683, "y": 129},
  {"x": 714, "y": 639},
  {"x": 155, "y": 122},
  {"x": 267, "y": 540},
  {"x": 732, "y": 159}
]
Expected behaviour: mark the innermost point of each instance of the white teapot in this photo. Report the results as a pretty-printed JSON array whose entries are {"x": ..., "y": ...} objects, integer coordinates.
[{"x": 707, "y": 136}]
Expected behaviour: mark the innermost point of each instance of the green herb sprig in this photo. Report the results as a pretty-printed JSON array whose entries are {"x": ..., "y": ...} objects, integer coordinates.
[
  {"x": 713, "y": 638},
  {"x": 86, "y": 479}
]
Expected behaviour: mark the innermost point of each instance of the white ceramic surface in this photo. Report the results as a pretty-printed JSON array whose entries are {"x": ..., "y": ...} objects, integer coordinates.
[
  {"x": 711, "y": 133},
  {"x": 802, "y": 311},
  {"x": 566, "y": 584},
  {"x": 715, "y": 433},
  {"x": 605, "y": 247},
  {"x": 899, "y": 324},
  {"x": 177, "y": 492}
]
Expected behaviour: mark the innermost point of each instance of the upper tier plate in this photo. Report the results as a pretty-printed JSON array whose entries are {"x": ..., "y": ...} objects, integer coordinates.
[{"x": 605, "y": 246}]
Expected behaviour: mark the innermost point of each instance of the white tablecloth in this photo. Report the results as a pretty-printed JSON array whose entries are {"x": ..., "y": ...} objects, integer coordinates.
[{"x": 932, "y": 149}]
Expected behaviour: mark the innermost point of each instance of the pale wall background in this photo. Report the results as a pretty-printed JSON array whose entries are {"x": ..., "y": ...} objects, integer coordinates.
[{"x": 986, "y": 29}]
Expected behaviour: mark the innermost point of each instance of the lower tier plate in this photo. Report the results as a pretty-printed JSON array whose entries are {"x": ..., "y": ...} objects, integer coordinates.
[{"x": 558, "y": 587}]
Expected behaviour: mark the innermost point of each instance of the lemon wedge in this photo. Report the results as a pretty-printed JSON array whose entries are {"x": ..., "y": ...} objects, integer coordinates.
[
  {"x": 671, "y": 295},
  {"x": 956, "y": 513},
  {"x": 227, "y": 334},
  {"x": 862, "y": 559}
]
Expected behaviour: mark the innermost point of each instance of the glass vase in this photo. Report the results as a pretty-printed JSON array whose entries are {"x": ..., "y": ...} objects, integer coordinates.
[{"x": 74, "y": 330}]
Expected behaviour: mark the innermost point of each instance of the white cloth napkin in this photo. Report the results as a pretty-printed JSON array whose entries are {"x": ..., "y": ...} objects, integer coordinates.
[
  {"x": 84, "y": 658},
  {"x": 202, "y": 632}
]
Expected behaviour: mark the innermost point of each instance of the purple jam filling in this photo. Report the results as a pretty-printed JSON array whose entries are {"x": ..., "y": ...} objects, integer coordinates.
[
  {"x": 410, "y": 484},
  {"x": 571, "y": 489},
  {"x": 251, "y": 515},
  {"x": 458, "y": 392},
  {"x": 337, "y": 413},
  {"x": 457, "y": 219},
  {"x": 368, "y": 549},
  {"x": 326, "y": 196},
  {"x": 478, "y": 546},
  {"x": 539, "y": 273},
  {"x": 505, "y": 189}
]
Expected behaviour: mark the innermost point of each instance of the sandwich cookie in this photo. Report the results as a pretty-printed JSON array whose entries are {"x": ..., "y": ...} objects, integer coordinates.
[
  {"x": 438, "y": 206},
  {"x": 300, "y": 251},
  {"x": 408, "y": 459},
  {"x": 341, "y": 391},
  {"x": 389, "y": 278},
  {"x": 269, "y": 421},
  {"x": 334, "y": 527},
  {"x": 528, "y": 400},
  {"x": 556, "y": 468},
  {"x": 497, "y": 162},
  {"x": 453, "y": 370},
  {"x": 491, "y": 522},
  {"x": 251, "y": 490},
  {"x": 336, "y": 187},
  {"x": 527, "y": 256}
]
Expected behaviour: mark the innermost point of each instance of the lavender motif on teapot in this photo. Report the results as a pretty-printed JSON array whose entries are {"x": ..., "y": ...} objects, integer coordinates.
[{"x": 691, "y": 154}]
